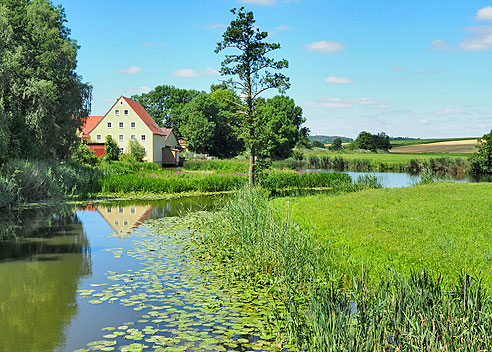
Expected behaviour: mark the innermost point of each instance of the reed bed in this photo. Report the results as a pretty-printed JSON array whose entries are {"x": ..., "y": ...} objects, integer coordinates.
[{"x": 324, "y": 309}]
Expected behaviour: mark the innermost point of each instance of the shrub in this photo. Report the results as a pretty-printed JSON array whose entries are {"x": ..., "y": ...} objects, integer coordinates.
[
  {"x": 8, "y": 193},
  {"x": 82, "y": 154},
  {"x": 137, "y": 151},
  {"x": 111, "y": 148}
]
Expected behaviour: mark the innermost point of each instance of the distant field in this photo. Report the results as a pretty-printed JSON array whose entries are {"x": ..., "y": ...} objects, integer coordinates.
[
  {"x": 386, "y": 157},
  {"x": 454, "y": 146},
  {"x": 399, "y": 143}
]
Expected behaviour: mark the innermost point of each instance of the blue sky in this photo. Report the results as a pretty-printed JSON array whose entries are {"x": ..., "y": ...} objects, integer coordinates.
[{"x": 420, "y": 69}]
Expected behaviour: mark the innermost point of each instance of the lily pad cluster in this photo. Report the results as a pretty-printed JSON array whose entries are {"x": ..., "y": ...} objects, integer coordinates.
[{"x": 187, "y": 302}]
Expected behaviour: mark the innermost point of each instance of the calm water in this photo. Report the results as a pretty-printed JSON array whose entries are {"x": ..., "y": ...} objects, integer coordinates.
[
  {"x": 65, "y": 271},
  {"x": 399, "y": 179}
]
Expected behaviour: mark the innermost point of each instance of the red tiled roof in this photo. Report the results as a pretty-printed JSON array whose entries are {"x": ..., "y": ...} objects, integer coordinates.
[
  {"x": 145, "y": 117},
  {"x": 90, "y": 123}
]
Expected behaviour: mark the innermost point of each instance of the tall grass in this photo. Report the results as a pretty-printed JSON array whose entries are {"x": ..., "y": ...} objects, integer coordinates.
[
  {"x": 31, "y": 181},
  {"x": 228, "y": 165},
  {"x": 324, "y": 310}
]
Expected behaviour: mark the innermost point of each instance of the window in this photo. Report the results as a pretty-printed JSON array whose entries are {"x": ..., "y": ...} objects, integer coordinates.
[
  {"x": 133, "y": 124},
  {"x": 109, "y": 135},
  {"x": 122, "y": 150},
  {"x": 98, "y": 137},
  {"x": 110, "y": 125},
  {"x": 125, "y": 222},
  {"x": 116, "y": 222},
  {"x": 121, "y": 124},
  {"x": 117, "y": 112},
  {"x": 142, "y": 138},
  {"x": 121, "y": 137},
  {"x": 133, "y": 210},
  {"x": 108, "y": 210},
  {"x": 125, "y": 112},
  {"x": 121, "y": 210},
  {"x": 133, "y": 137}
]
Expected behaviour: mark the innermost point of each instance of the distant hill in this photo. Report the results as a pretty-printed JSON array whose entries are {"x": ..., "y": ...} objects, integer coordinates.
[{"x": 329, "y": 139}]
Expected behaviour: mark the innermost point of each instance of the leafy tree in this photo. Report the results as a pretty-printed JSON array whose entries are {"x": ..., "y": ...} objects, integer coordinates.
[
  {"x": 279, "y": 125},
  {"x": 82, "y": 154},
  {"x": 337, "y": 144},
  {"x": 111, "y": 148},
  {"x": 210, "y": 124},
  {"x": 365, "y": 140},
  {"x": 382, "y": 141},
  {"x": 481, "y": 161},
  {"x": 42, "y": 99},
  {"x": 165, "y": 104},
  {"x": 251, "y": 68},
  {"x": 137, "y": 151},
  {"x": 317, "y": 144},
  {"x": 372, "y": 142}
]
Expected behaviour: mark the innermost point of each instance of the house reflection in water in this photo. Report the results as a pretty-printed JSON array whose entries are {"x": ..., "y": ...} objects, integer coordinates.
[{"x": 123, "y": 219}]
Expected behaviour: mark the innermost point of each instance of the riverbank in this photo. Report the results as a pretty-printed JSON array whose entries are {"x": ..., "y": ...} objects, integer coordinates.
[{"x": 378, "y": 268}]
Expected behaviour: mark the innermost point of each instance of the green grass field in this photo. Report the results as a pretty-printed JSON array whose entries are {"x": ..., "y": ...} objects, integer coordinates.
[
  {"x": 386, "y": 157},
  {"x": 445, "y": 227}
]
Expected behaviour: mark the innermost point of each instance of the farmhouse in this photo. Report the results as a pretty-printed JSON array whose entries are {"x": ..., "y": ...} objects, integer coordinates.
[{"x": 128, "y": 121}]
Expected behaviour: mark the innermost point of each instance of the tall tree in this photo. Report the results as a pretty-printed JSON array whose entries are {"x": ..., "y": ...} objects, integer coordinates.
[
  {"x": 251, "y": 68},
  {"x": 165, "y": 104},
  {"x": 481, "y": 161},
  {"x": 42, "y": 99}
]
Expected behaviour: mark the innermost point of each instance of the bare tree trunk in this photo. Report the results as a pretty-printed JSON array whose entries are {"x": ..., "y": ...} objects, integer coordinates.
[{"x": 251, "y": 170}]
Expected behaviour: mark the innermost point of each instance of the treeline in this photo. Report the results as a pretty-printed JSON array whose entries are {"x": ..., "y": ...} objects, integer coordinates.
[
  {"x": 328, "y": 139},
  {"x": 211, "y": 122}
]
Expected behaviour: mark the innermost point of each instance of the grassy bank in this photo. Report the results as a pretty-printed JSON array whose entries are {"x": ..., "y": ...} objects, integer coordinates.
[{"x": 342, "y": 265}]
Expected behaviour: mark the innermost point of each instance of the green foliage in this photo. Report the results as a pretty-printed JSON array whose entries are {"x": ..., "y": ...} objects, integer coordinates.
[
  {"x": 481, "y": 161},
  {"x": 82, "y": 154},
  {"x": 42, "y": 99},
  {"x": 298, "y": 155},
  {"x": 336, "y": 144},
  {"x": 327, "y": 301},
  {"x": 173, "y": 183},
  {"x": 111, "y": 149},
  {"x": 229, "y": 165},
  {"x": 137, "y": 151},
  {"x": 210, "y": 124},
  {"x": 165, "y": 104},
  {"x": 318, "y": 144},
  {"x": 278, "y": 121},
  {"x": 32, "y": 181},
  {"x": 372, "y": 142},
  {"x": 249, "y": 64}
]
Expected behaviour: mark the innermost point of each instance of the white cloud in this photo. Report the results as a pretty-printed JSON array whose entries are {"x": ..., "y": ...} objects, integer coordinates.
[
  {"x": 480, "y": 39},
  {"x": 399, "y": 68},
  {"x": 143, "y": 89},
  {"x": 282, "y": 28},
  {"x": 216, "y": 25},
  {"x": 149, "y": 44},
  {"x": 336, "y": 103},
  {"x": 130, "y": 70},
  {"x": 439, "y": 45},
  {"x": 449, "y": 111},
  {"x": 338, "y": 80},
  {"x": 190, "y": 73},
  {"x": 324, "y": 46},
  {"x": 259, "y": 2},
  {"x": 485, "y": 14}
]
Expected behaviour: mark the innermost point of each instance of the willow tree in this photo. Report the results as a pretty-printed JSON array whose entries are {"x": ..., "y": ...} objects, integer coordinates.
[{"x": 251, "y": 71}]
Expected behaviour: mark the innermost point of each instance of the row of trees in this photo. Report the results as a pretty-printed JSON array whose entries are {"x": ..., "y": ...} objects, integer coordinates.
[{"x": 372, "y": 142}]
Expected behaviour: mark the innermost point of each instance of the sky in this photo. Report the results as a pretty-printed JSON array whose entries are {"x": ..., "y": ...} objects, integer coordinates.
[{"x": 409, "y": 68}]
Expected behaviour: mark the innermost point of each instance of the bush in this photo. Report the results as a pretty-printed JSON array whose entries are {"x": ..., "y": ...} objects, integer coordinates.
[
  {"x": 111, "y": 148},
  {"x": 8, "y": 193},
  {"x": 137, "y": 151},
  {"x": 82, "y": 154}
]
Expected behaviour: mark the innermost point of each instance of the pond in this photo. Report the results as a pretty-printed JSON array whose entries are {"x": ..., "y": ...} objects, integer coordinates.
[
  {"x": 402, "y": 179},
  {"x": 117, "y": 276}
]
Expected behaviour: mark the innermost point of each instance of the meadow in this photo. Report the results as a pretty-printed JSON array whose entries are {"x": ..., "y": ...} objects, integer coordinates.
[{"x": 403, "y": 269}]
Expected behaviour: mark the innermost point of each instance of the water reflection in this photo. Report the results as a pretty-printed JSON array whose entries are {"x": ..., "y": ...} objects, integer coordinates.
[{"x": 43, "y": 255}]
